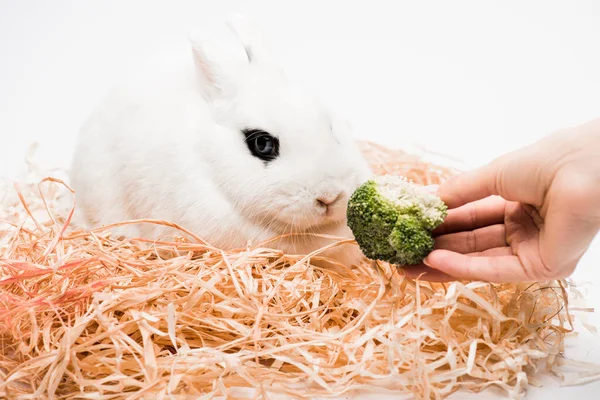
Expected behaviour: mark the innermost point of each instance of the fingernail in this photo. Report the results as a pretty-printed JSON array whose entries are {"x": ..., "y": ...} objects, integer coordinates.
[
  {"x": 432, "y": 188},
  {"x": 426, "y": 262}
]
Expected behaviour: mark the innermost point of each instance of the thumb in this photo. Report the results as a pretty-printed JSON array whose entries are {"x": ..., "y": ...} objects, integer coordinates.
[
  {"x": 572, "y": 221},
  {"x": 517, "y": 176}
]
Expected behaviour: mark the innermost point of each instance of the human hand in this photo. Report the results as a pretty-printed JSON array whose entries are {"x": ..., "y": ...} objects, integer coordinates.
[{"x": 529, "y": 215}]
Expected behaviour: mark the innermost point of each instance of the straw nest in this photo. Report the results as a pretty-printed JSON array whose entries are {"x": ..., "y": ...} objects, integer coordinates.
[{"x": 88, "y": 315}]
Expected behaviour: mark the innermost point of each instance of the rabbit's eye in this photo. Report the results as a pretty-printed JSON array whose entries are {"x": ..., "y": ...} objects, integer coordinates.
[{"x": 262, "y": 144}]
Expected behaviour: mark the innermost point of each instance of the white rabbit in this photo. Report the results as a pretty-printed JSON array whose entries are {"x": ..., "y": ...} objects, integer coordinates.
[{"x": 236, "y": 156}]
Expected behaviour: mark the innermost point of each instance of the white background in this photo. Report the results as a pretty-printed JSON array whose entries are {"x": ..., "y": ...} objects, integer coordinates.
[{"x": 471, "y": 79}]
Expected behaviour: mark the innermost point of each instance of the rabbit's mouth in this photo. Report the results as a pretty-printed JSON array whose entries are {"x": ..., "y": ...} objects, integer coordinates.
[
  {"x": 304, "y": 214},
  {"x": 304, "y": 227}
]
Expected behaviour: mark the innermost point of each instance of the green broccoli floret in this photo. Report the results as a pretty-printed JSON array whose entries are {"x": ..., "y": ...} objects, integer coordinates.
[{"x": 392, "y": 219}]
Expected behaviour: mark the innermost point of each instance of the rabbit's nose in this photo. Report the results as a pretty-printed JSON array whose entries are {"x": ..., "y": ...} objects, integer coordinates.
[{"x": 326, "y": 202}]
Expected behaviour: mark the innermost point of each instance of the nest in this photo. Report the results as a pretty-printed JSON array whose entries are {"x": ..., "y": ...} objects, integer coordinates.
[{"x": 84, "y": 314}]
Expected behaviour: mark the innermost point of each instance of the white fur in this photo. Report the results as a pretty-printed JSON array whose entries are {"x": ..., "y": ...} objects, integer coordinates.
[{"x": 168, "y": 145}]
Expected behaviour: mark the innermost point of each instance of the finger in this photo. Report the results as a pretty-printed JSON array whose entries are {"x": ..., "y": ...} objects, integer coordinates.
[
  {"x": 496, "y": 269},
  {"x": 473, "y": 241},
  {"x": 429, "y": 274},
  {"x": 478, "y": 214},
  {"x": 497, "y": 251},
  {"x": 523, "y": 175},
  {"x": 426, "y": 273}
]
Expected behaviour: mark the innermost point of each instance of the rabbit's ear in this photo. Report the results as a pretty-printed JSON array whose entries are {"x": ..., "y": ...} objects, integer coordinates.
[
  {"x": 251, "y": 38},
  {"x": 211, "y": 73}
]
